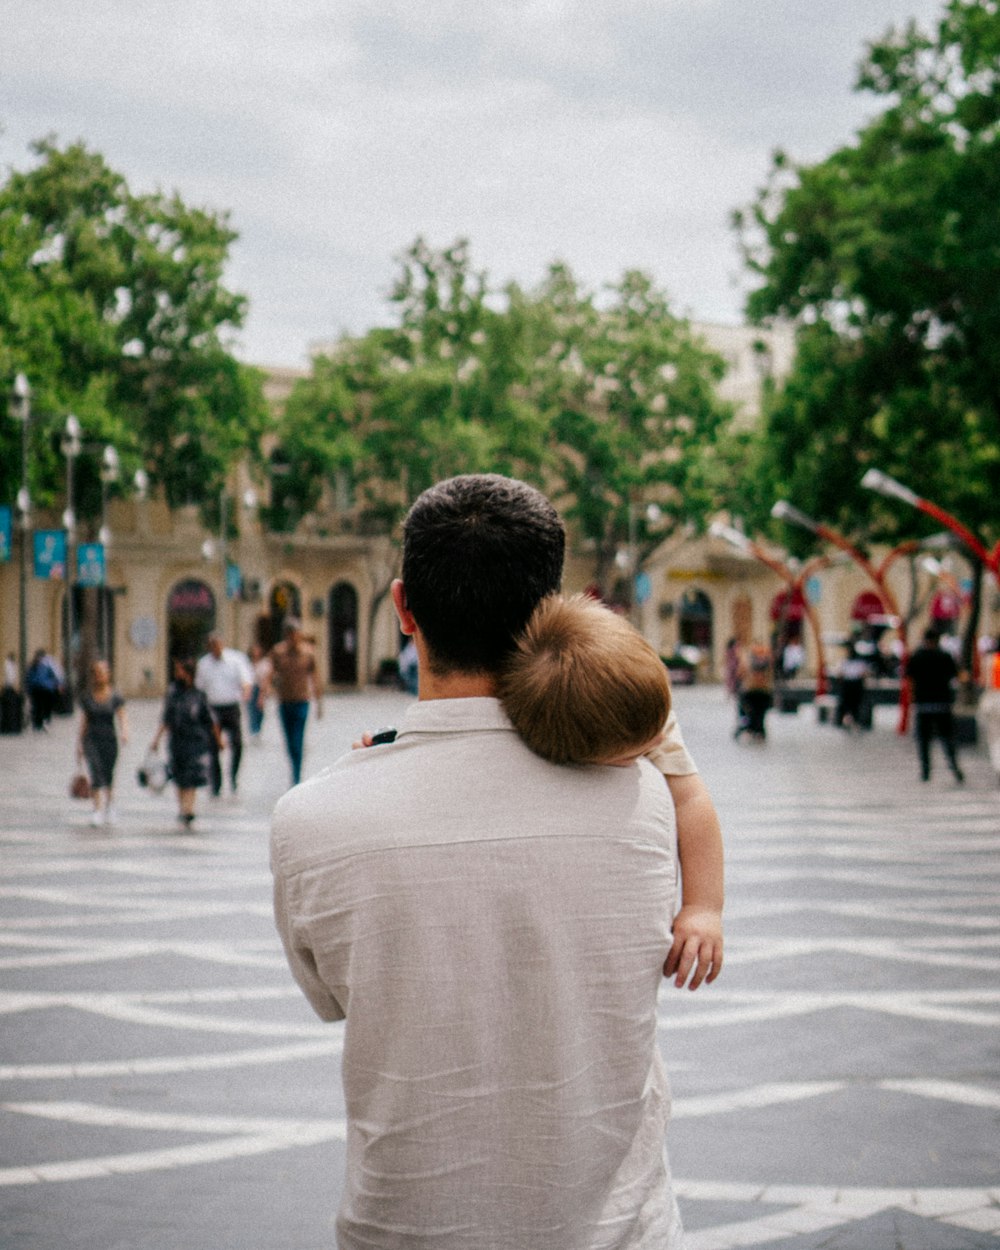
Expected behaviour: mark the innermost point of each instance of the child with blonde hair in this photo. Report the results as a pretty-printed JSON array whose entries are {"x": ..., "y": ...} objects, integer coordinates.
[{"x": 584, "y": 687}]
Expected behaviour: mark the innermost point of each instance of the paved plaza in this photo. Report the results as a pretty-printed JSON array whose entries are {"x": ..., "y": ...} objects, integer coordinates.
[{"x": 164, "y": 1086}]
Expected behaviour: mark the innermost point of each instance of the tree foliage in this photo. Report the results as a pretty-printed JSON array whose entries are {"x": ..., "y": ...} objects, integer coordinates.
[
  {"x": 608, "y": 407},
  {"x": 113, "y": 305},
  {"x": 888, "y": 253}
]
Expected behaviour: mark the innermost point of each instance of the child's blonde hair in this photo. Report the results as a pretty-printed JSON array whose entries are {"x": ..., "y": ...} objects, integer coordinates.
[{"x": 584, "y": 686}]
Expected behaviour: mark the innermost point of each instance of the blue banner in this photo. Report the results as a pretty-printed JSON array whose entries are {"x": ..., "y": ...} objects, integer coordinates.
[
  {"x": 6, "y": 531},
  {"x": 234, "y": 581},
  {"x": 50, "y": 554},
  {"x": 90, "y": 567}
]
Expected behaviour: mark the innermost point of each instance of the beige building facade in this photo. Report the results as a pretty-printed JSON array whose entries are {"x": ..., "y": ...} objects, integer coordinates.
[{"x": 166, "y": 577}]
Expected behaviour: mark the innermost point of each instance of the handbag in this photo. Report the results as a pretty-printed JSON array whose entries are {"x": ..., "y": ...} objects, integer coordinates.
[
  {"x": 79, "y": 787},
  {"x": 153, "y": 773}
]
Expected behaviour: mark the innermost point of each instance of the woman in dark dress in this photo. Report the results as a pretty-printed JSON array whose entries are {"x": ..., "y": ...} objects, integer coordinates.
[
  {"x": 191, "y": 726},
  {"x": 98, "y": 740}
]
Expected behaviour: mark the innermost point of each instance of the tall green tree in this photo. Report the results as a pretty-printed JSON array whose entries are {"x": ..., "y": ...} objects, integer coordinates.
[
  {"x": 114, "y": 306},
  {"x": 887, "y": 253},
  {"x": 630, "y": 403},
  {"x": 611, "y": 406},
  {"x": 382, "y": 417}
]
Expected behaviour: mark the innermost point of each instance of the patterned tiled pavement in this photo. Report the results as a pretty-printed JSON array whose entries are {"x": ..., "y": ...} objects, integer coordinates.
[{"x": 163, "y": 1085}]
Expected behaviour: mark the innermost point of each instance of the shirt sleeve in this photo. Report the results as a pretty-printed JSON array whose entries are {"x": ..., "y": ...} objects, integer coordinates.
[
  {"x": 301, "y": 961},
  {"x": 672, "y": 757}
]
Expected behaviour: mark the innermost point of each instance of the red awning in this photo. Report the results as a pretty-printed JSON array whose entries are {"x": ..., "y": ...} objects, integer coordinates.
[
  {"x": 788, "y": 605},
  {"x": 867, "y": 605}
]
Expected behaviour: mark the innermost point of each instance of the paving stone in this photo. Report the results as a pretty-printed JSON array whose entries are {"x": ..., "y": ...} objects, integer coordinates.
[{"x": 164, "y": 1084}]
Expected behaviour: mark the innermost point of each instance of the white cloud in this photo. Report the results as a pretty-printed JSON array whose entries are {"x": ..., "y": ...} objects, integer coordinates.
[{"x": 610, "y": 133}]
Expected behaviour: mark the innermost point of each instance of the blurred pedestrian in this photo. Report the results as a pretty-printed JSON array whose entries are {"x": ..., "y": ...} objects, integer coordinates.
[
  {"x": 225, "y": 677},
  {"x": 931, "y": 673},
  {"x": 989, "y": 706},
  {"x": 409, "y": 667},
  {"x": 192, "y": 730},
  {"x": 294, "y": 676},
  {"x": 793, "y": 656},
  {"x": 854, "y": 669},
  {"x": 756, "y": 691},
  {"x": 44, "y": 680},
  {"x": 103, "y": 725},
  {"x": 260, "y": 666},
  {"x": 733, "y": 662},
  {"x": 11, "y": 699}
]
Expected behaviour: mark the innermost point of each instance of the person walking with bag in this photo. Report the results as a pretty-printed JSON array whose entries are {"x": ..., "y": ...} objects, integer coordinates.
[
  {"x": 97, "y": 743},
  {"x": 192, "y": 729}
]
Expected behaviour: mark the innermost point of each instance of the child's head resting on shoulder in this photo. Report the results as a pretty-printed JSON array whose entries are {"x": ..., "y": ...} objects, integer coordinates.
[{"x": 584, "y": 686}]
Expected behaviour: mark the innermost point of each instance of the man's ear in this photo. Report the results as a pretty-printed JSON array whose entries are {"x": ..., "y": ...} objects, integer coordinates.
[{"x": 407, "y": 624}]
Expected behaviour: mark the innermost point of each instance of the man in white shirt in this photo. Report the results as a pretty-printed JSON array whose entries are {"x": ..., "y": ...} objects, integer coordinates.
[
  {"x": 226, "y": 678},
  {"x": 492, "y": 928}
]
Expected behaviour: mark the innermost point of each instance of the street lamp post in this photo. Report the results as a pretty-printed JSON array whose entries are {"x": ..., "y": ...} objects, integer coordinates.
[
  {"x": 784, "y": 511},
  {"x": 20, "y": 409},
  {"x": 794, "y": 579},
  {"x": 71, "y": 445},
  {"x": 885, "y": 485},
  {"x": 109, "y": 475}
]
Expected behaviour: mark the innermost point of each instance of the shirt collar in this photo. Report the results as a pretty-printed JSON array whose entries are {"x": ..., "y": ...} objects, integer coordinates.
[{"x": 454, "y": 716}]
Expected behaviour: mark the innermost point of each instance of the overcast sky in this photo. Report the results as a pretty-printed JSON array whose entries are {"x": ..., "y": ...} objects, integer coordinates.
[{"x": 611, "y": 134}]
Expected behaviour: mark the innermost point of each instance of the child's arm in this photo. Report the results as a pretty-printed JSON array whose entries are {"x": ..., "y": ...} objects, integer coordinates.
[{"x": 697, "y": 926}]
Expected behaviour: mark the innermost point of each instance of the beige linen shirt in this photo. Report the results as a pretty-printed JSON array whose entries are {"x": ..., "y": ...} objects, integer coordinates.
[{"x": 493, "y": 927}]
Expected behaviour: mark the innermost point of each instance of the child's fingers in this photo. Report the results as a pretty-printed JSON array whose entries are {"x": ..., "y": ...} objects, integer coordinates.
[{"x": 699, "y": 959}]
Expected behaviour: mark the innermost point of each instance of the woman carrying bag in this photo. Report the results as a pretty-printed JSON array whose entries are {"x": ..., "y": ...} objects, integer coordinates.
[
  {"x": 192, "y": 729},
  {"x": 99, "y": 737}
]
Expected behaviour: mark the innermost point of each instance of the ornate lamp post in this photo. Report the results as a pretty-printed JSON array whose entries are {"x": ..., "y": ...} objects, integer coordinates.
[
  {"x": 71, "y": 445},
  {"x": 20, "y": 410},
  {"x": 109, "y": 475},
  {"x": 784, "y": 511},
  {"x": 885, "y": 485},
  {"x": 795, "y": 579}
]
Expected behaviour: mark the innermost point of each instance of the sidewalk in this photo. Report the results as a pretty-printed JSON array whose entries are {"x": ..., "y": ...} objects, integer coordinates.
[{"x": 165, "y": 1086}]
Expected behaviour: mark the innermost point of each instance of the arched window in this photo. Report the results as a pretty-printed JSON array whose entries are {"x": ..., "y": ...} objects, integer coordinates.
[{"x": 190, "y": 619}]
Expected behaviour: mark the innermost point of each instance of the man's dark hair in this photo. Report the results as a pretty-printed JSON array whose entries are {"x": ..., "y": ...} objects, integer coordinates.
[
  {"x": 480, "y": 552},
  {"x": 932, "y": 637}
]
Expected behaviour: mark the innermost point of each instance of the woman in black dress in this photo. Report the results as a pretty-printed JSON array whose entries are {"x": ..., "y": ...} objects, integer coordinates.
[
  {"x": 191, "y": 726},
  {"x": 98, "y": 740}
]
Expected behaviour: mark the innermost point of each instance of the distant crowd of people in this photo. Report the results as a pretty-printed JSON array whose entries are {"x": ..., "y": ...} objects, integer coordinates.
[{"x": 931, "y": 676}]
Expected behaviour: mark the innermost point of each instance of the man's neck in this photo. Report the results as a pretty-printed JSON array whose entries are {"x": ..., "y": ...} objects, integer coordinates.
[{"x": 455, "y": 685}]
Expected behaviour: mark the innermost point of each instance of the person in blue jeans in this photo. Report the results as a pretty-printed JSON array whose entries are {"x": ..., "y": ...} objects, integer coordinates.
[{"x": 294, "y": 676}]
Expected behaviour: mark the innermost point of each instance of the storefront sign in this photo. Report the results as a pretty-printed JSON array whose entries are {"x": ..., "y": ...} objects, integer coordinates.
[{"x": 191, "y": 597}]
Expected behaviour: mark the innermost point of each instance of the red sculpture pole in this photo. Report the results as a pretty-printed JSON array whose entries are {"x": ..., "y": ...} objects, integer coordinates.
[{"x": 784, "y": 511}]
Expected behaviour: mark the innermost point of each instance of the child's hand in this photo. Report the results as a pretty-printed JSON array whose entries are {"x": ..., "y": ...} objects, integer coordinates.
[{"x": 697, "y": 947}]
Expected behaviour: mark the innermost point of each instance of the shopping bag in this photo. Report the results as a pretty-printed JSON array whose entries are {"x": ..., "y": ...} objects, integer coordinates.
[
  {"x": 153, "y": 773},
  {"x": 79, "y": 787}
]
